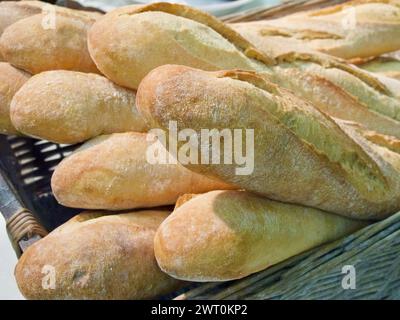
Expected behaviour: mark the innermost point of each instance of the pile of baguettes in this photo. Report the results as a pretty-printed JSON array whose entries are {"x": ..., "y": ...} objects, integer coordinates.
[{"x": 327, "y": 138}]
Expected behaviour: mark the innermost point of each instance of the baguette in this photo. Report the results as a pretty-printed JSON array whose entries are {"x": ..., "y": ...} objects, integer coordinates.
[
  {"x": 71, "y": 107},
  {"x": 135, "y": 38},
  {"x": 355, "y": 29},
  {"x": 12, "y": 11},
  {"x": 112, "y": 172},
  {"x": 226, "y": 235},
  {"x": 343, "y": 95},
  {"x": 28, "y": 45},
  {"x": 11, "y": 79},
  {"x": 96, "y": 256},
  {"x": 300, "y": 155}
]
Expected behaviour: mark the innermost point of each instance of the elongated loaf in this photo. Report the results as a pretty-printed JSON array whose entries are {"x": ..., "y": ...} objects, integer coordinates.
[
  {"x": 135, "y": 38},
  {"x": 96, "y": 256},
  {"x": 354, "y": 29},
  {"x": 70, "y": 107},
  {"x": 113, "y": 172},
  {"x": 343, "y": 95},
  {"x": 29, "y": 45},
  {"x": 300, "y": 154},
  {"x": 12, "y": 11},
  {"x": 11, "y": 79},
  {"x": 132, "y": 38},
  {"x": 225, "y": 235}
]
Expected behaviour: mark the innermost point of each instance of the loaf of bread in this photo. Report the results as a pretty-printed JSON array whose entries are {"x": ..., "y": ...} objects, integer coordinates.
[
  {"x": 225, "y": 235},
  {"x": 96, "y": 256},
  {"x": 300, "y": 154},
  {"x": 192, "y": 36},
  {"x": 386, "y": 66},
  {"x": 343, "y": 95},
  {"x": 135, "y": 38},
  {"x": 70, "y": 107},
  {"x": 11, "y": 79},
  {"x": 353, "y": 29},
  {"x": 34, "y": 46},
  {"x": 130, "y": 41},
  {"x": 12, "y": 11},
  {"x": 114, "y": 172}
]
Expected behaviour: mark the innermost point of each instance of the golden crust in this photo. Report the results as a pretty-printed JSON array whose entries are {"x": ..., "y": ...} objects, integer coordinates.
[
  {"x": 12, "y": 11},
  {"x": 112, "y": 172},
  {"x": 391, "y": 143},
  {"x": 121, "y": 42},
  {"x": 333, "y": 99},
  {"x": 249, "y": 50},
  {"x": 71, "y": 107},
  {"x": 11, "y": 80},
  {"x": 117, "y": 40},
  {"x": 225, "y": 235},
  {"x": 329, "y": 30},
  {"x": 97, "y": 256},
  {"x": 301, "y": 155},
  {"x": 29, "y": 46}
]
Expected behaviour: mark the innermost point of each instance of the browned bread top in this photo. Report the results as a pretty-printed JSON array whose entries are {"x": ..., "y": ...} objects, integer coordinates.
[
  {"x": 121, "y": 42},
  {"x": 113, "y": 172},
  {"x": 70, "y": 107},
  {"x": 96, "y": 256},
  {"x": 353, "y": 29},
  {"x": 12, "y": 11},
  {"x": 224, "y": 235},
  {"x": 35, "y": 46},
  {"x": 301, "y": 155}
]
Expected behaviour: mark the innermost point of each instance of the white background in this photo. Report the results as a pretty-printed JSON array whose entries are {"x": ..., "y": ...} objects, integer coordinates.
[{"x": 8, "y": 259}]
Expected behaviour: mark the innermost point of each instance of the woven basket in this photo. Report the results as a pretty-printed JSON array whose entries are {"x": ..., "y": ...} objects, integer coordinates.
[{"x": 30, "y": 211}]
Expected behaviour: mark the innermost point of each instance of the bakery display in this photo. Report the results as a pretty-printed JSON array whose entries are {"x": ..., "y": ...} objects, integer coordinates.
[
  {"x": 154, "y": 94},
  {"x": 301, "y": 155},
  {"x": 120, "y": 42}
]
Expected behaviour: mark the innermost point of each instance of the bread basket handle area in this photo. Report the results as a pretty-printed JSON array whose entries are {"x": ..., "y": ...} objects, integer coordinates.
[{"x": 22, "y": 227}]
